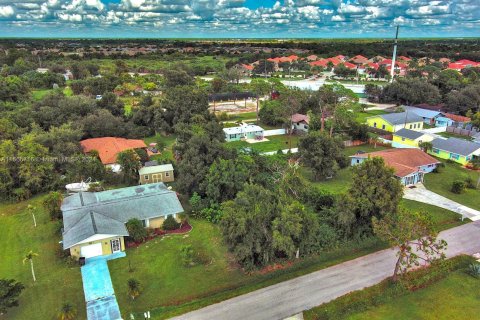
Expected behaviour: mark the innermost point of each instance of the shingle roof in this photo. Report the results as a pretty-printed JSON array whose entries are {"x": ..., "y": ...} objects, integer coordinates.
[
  {"x": 400, "y": 118},
  {"x": 155, "y": 169},
  {"x": 404, "y": 161},
  {"x": 109, "y": 147},
  {"x": 455, "y": 145},
  {"x": 409, "y": 134},
  {"x": 141, "y": 202},
  {"x": 91, "y": 224}
]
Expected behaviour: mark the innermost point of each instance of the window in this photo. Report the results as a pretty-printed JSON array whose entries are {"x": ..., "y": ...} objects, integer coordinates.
[
  {"x": 167, "y": 174},
  {"x": 145, "y": 177},
  {"x": 358, "y": 160},
  {"x": 469, "y": 158},
  {"x": 454, "y": 156},
  {"x": 403, "y": 139},
  {"x": 374, "y": 124},
  {"x": 305, "y": 126},
  {"x": 383, "y": 126},
  {"x": 410, "y": 126},
  {"x": 435, "y": 150}
]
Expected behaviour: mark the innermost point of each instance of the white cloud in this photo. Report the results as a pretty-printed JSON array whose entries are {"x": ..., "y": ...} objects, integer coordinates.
[{"x": 6, "y": 11}]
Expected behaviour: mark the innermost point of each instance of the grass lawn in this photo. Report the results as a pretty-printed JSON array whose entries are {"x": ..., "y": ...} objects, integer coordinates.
[
  {"x": 341, "y": 182},
  {"x": 453, "y": 135},
  {"x": 442, "y": 182},
  {"x": 169, "y": 141},
  {"x": 454, "y": 297},
  {"x": 274, "y": 143},
  {"x": 56, "y": 281},
  {"x": 38, "y": 95},
  {"x": 361, "y": 117},
  {"x": 242, "y": 116},
  {"x": 169, "y": 288}
]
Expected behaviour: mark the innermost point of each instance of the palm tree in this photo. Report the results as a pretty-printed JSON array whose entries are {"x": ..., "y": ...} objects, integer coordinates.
[
  {"x": 133, "y": 288},
  {"x": 29, "y": 257},
  {"x": 32, "y": 209},
  {"x": 67, "y": 312}
]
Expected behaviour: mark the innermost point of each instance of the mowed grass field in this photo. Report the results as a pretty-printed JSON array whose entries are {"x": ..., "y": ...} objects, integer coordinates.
[
  {"x": 456, "y": 297},
  {"x": 441, "y": 183},
  {"x": 57, "y": 282},
  {"x": 274, "y": 143}
]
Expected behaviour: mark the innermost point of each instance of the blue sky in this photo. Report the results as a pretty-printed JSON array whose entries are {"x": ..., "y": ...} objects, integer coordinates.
[{"x": 239, "y": 18}]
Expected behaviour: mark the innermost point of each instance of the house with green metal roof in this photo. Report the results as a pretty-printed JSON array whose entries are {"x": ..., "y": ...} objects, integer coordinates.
[
  {"x": 94, "y": 222},
  {"x": 154, "y": 174}
]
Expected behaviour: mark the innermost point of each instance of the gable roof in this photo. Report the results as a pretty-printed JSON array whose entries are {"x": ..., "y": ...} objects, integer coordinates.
[
  {"x": 298, "y": 117},
  {"x": 425, "y": 113},
  {"x": 244, "y": 128},
  {"x": 457, "y": 118},
  {"x": 456, "y": 145},
  {"x": 141, "y": 202},
  {"x": 91, "y": 224},
  {"x": 109, "y": 147},
  {"x": 409, "y": 134},
  {"x": 155, "y": 169},
  {"x": 400, "y": 118},
  {"x": 404, "y": 161}
]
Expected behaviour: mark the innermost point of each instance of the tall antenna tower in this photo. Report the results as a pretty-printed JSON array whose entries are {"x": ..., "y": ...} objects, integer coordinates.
[{"x": 392, "y": 70}]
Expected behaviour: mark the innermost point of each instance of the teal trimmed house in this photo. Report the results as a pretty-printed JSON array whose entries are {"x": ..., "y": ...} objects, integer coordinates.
[
  {"x": 458, "y": 150},
  {"x": 245, "y": 131}
]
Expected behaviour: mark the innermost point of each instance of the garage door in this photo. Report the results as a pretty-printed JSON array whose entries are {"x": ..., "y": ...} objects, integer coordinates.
[{"x": 91, "y": 250}]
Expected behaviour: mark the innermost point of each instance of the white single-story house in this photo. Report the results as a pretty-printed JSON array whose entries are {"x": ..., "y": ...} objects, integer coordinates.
[{"x": 245, "y": 131}]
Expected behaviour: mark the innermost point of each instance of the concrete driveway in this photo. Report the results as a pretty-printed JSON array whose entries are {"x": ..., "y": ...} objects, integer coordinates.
[
  {"x": 421, "y": 194},
  {"x": 294, "y": 296}
]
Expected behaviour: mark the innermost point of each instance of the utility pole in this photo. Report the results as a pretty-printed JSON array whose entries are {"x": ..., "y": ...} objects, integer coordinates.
[{"x": 392, "y": 70}]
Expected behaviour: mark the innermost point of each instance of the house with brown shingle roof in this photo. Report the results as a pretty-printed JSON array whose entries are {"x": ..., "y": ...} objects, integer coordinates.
[
  {"x": 409, "y": 165},
  {"x": 300, "y": 122},
  {"x": 108, "y": 149}
]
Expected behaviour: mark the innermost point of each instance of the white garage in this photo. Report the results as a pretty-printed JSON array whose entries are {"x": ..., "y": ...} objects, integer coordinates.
[{"x": 92, "y": 250}]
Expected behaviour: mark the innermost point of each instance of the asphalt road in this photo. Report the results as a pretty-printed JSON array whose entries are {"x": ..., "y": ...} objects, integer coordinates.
[{"x": 293, "y": 296}]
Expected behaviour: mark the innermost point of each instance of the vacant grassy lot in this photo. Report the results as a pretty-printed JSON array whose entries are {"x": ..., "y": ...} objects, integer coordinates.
[
  {"x": 242, "y": 116},
  {"x": 455, "y": 297},
  {"x": 39, "y": 94},
  {"x": 361, "y": 117},
  {"x": 441, "y": 183},
  {"x": 56, "y": 281},
  {"x": 274, "y": 143}
]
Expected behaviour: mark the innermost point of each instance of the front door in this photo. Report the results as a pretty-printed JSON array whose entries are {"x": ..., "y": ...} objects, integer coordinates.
[
  {"x": 157, "y": 177},
  {"x": 116, "y": 246}
]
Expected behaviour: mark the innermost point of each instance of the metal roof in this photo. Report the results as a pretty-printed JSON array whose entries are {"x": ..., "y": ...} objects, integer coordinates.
[
  {"x": 156, "y": 169},
  {"x": 246, "y": 128},
  {"x": 409, "y": 134},
  {"x": 141, "y": 202},
  {"x": 400, "y": 118},
  {"x": 428, "y": 114},
  {"x": 455, "y": 145}
]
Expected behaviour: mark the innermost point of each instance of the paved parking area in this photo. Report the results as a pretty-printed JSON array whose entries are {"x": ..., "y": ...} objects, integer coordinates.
[{"x": 98, "y": 289}]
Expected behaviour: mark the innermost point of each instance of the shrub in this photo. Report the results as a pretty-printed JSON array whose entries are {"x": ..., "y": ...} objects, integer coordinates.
[
  {"x": 469, "y": 183},
  {"x": 52, "y": 204},
  {"x": 21, "y": 194},
  {"x": 67, "y": 312},
  {"x": 458, "y": 186},
  {"x": 186, "y": 253},
  {"x": 170, "y": 223},
  {"x": 136, "y": 230},
  {"x": 474, "y": 270},
  {"x": 197, "y": 203},
  {"x": 133, "y": 288},
  {"x": 213, "y": 213}
]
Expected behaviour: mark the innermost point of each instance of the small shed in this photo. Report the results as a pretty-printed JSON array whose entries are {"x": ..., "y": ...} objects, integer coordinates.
[{"x": 154, "y": 174}]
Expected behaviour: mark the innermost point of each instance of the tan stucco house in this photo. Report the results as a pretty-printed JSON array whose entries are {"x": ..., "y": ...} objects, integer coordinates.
[{"x": 94, "y": 222}]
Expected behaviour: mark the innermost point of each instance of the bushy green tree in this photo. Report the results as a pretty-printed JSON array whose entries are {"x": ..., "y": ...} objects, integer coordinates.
[
  {"x": 52, "y": 204},
  {"x": 374, "y": 192},
  {"x": 129, "y": 161},
  {"x": 322, "y": 154},
  {"x": 136, "y": 230}
]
